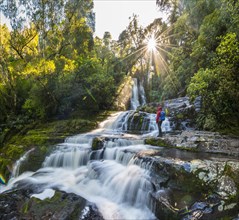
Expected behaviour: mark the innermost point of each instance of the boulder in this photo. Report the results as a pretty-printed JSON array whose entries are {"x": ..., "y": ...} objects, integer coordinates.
[
  {"x": 184, "y": 188},
  {"x": 98, "y": 143},
  {"x": 202, "y": 141},
  {"x": 19, "y": 204}
]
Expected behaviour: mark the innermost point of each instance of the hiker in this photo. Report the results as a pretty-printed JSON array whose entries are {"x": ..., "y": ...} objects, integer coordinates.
[{"x": 159, "y": 120}]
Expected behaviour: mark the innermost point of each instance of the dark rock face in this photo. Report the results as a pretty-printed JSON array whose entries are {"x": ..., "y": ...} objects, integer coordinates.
[
  {"x": 98, "y": 143},
  {"x": 38, "y": 156},
  {"x": 19, "y": 205},
  {"x": 138, "y": 122},
  {"x": 184, "y": 189},
  {"x": 181, "y": 113}
]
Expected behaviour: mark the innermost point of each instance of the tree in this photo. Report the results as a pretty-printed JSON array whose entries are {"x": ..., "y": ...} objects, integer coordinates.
[{"x": 218, "y": 87}]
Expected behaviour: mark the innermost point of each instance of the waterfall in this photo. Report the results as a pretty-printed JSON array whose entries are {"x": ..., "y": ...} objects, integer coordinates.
[
  {"x": 135, "y": 95},
  {"x": 124, "y": 178},
  {"x": 138, "y": 95},
  {"x": 19, "y": 162},
  {"x": 142, "y": 94},
  {"x": 125, "y": 121},
  {"x": 113, "y": 177}
]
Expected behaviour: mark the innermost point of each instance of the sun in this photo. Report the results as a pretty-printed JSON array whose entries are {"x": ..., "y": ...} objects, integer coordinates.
[{"x": 151, "y": 44}]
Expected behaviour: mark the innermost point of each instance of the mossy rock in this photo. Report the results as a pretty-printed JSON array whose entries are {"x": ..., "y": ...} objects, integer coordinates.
[
  {"x": 19, "y": 205},
  {"x": 149, "y": 108},
  {"x": 135, "y": 122},
  {"x": 35, "y": 159},
  {"x": 60, "y": 206},
  {"x": 97, "y": 143},
  {"x": 157, "y": 142},
  {"x": 42, "y": 135}
]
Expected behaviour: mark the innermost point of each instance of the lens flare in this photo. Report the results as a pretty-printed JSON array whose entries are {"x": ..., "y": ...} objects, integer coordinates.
[{"x": 151, "y": 45}]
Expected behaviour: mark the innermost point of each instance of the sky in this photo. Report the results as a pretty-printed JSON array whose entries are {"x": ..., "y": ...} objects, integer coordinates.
[
  {"x": 113, "y": 15},
  {"x": 3, "y": 20}
]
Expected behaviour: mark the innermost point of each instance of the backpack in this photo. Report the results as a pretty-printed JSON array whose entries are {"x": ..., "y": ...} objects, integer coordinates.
[{"x": 162, "y": 116}]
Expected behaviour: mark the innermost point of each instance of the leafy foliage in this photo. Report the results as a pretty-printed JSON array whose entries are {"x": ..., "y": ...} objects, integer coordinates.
[
  {"x": 50, "y": 64},
  {"x": 218, "y": 86},
  {"x": 205, "y": 61}
]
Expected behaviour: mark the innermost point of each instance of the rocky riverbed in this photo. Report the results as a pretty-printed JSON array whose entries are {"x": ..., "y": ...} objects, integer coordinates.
[
  {"x": 187, "y": 174},
  {"x": 202, "y": 141}
]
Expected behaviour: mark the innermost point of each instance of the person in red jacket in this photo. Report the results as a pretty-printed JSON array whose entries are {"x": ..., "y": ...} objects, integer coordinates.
[{"x": 158, "y": 121}]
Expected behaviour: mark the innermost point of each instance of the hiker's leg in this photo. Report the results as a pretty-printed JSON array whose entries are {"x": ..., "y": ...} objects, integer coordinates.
[{"x": 160, "y": 129}]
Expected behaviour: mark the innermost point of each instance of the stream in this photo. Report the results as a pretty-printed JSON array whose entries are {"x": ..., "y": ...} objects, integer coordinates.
[
  {"x": 115, "y": 177},
  {"x": 112, "y": 178}
]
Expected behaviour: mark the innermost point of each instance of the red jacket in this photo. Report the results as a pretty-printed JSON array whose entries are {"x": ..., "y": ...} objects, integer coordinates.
[{"x": 158, "y": 114}]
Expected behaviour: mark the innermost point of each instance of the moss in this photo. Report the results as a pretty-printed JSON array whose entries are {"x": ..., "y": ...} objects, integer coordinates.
[
  {"x": 229, "y": 171},
  {"x": 157, "y": 142},
  {"x": 97, "y": 143},
  {"x": 59, "y": 205},
  {"x": 44, "y": 135},
  {"x": 163, "y": 143},
  {"x": 232, "y": 131},
  {"x": 148, "y": 109},
  {"x": 40, "y": 207},
  {"x": 179, "y": 116},
  {"x": 4, "y": 171},
  {"x": 14, "y": 150},
  {"x": 25, "y": 208}
]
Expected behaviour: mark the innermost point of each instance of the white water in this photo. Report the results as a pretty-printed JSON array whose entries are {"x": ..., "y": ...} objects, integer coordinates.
[
  {"x": 135, "y": 95},
  {"x": 112, "y": 178},
  {"x": 142, "y": 93},
  {"x": 138, "y": 95},
  {"x": 18, "y": 163}
]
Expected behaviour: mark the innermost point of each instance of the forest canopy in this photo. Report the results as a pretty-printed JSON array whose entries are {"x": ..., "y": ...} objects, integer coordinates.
[{"x": 52, "y": 65}]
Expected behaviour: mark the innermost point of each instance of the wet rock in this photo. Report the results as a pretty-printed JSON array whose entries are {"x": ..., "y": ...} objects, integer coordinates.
[
  {"x": 196, "y": 211},
  {"x": 98, "y": 143},
  {"x": 146, "y": 153},
  {"x": 180, "y": 112},
  {"x": 18, "y": 204},
  {"x": 38, "y": 156},
  {"x": 192, "y": 189},
  {"x": 138, "y": 122},
  {"x": 198, "y": 103},
  {"x": 203, "y": 141},
  {"x": 162, "y": 208}
]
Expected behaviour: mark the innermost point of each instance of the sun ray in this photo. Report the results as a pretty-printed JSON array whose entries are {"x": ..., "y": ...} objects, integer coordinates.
[
  {"x": 131, "y": 54},
  {"x": 151, "y": 44}
]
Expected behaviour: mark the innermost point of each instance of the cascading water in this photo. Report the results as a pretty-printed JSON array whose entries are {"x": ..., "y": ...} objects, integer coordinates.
[
  {"x": 125, "y": 121},
  {"x": 123, "y": 178},
  {"x": 113, "y": 177},
  {"x": 142, "y": 94},
  {"x": 138, "y": 95},
  {"x": 18, "y": 163},
  {"x": 135, "y": 95}
]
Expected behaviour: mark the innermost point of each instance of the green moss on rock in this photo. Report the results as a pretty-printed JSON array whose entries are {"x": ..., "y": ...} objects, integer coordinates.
[
  {"x": 97, "y": 143},
  {"x": 164, "y": 143},
  {"x": 58, "y": 206},
  {"x": 44, "y": 135},
  {"x": 157, "y": 142}
]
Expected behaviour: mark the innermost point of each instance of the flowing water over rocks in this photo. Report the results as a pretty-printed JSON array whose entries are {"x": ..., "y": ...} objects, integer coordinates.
[{"x": 111, "y": 173}]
